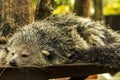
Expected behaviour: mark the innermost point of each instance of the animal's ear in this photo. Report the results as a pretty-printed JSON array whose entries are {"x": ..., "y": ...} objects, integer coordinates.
[
  {"x": 44, "y": 52},
  {"x": 49, "y": 55}
]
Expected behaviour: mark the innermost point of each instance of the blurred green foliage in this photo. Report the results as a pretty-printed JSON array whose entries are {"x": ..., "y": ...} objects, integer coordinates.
[
  {"x": 112, "y": 7},
  {"x": 34, "y": 3},
  {"x": 60, "y": 6},
  {"x": 63, "y": 6}
]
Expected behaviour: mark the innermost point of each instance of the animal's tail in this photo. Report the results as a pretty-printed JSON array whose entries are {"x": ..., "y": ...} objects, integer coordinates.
[{"x": 106, "y": 55}]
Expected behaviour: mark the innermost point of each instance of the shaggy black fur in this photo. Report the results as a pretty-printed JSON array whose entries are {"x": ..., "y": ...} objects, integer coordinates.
[{"x": 105, "y": 55}]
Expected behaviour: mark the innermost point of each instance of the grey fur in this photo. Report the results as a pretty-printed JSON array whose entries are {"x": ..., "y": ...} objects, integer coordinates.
[{"x": 61, "y": 36}]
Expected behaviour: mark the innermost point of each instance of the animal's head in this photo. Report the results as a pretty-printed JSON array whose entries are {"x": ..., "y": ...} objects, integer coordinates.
[
  {"x": 30, "y": 55},
  {"x": 22, "y": 55}
]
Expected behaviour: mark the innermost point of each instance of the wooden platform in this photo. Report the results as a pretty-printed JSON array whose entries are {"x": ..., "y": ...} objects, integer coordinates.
[{"x": 58, "y": 71}]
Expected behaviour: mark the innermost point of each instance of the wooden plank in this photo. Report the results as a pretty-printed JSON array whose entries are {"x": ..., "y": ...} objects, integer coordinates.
[
  {"x": 22, "y": 74},
  {"x": 77, "y": 70},
  {"x": 58, "y": 71}
]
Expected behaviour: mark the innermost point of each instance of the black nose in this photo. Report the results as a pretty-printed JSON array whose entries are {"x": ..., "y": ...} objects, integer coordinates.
[{"x": 13, "y": 63}]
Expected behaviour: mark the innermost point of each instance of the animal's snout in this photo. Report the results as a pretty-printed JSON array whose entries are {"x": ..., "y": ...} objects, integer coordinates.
[{"x": 13, "y": 63}]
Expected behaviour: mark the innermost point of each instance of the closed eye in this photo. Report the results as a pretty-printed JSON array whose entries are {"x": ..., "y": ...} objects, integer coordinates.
[{"x": 24, "y": 55}]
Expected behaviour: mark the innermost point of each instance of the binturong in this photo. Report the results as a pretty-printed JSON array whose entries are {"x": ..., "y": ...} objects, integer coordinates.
[{"x": 54, "y": 40}]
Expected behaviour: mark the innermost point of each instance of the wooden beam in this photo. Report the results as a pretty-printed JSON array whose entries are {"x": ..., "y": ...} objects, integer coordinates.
[{"x": 58, "y": 71}]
